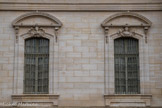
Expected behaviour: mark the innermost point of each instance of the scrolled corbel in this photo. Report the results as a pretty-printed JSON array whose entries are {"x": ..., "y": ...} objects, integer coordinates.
[
  {"x": 16, "y": 33},
  {"x": 146, "y": 33},
  {"x": 106, "y": 33},
  {"x": 56, "y": 32}
]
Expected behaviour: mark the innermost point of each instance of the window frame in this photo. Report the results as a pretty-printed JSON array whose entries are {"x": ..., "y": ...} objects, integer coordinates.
[
  {"x": 109, "y": 63},
  {"x": 19, "y": 63},
  {"x": 126, "y": 24},
  {"x": 25, "y": 28},
  {"x": 125, "y": 55},
  {"x": 37, "y": 63}
]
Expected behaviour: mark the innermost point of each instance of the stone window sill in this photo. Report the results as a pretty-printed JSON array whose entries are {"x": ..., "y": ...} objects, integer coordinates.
[
  {"x": 40, "y": 99},
  {"x": 125, "y": 100}
]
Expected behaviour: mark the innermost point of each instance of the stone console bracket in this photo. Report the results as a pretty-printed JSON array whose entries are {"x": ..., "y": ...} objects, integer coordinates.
[
  {"x": 40, "y": 99},
  {"x": 124, "y": 100}
]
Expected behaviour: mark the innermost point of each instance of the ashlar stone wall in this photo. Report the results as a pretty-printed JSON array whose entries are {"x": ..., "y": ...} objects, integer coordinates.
[{"x": 81, "y": 75}]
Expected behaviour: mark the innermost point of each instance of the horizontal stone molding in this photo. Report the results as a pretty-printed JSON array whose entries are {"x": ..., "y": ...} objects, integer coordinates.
[
  {"x": 40, "y": 99},
  {"x": 128, "y": 100},
  {"x": 21, "y": 6}
]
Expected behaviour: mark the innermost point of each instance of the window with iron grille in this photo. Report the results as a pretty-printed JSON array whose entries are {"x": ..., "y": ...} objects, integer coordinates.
[
  {"x": 126, "y": 57},
  {"x": 36, "y": 63}
]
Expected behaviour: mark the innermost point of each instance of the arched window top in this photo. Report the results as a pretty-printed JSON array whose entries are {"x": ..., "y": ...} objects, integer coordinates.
[
  {"x": 37, "y": 18},
  {"x": 133, "y": 38},
  {"x": 30, "y": 38},
  {"x": 135, "y": 19},
  {"x": 126, "y": 38},
  {"x": 129, "y": 45},
  {"x": 37, "y": 45}
]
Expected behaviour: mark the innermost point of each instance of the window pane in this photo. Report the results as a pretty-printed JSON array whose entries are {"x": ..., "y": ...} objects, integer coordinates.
[
  {"x": 126, "y": 66},
  {"x": 120, "y": 74},
  {"x": 36, "y": 65}
]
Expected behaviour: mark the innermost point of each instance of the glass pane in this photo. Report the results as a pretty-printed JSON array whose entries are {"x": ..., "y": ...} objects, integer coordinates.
[
  {"x": 126, "y": 65},
  {"x": 36, "y": 65},
  {"x": 120, "y": 74},
  {"x": 131, "y": 46},
  {"x": 132, "y": 69},
  {"x": 29, "y": 74},
  {"x": 119, "y": 46}
]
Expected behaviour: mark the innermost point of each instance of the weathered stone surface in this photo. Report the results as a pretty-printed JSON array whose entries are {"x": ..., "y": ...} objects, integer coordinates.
[{"x": 81, "y": 63}]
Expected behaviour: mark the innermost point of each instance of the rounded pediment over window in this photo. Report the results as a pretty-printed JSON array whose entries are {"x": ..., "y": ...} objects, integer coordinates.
[
  {"x": 126, "y": 19},
  {"x": 36, "y": 24},
  {"x": 126, "y": 25},
  {"x": 37, "y": 18}
]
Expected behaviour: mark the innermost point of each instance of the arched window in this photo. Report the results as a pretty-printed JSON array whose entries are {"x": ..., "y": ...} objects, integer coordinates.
[
  {"x": 36, "y": 66},
  {"x": 126, "y": 57}
]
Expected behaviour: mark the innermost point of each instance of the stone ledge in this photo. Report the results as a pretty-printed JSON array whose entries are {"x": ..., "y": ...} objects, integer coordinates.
[
  {"x": 75, "y": 107},
  {"x": 97, "y": 7},
  {"x": 128, "y": 100},
  {"x": 45, "y": 99}
]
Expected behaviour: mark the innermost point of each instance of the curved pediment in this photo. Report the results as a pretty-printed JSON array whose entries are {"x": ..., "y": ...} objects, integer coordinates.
[
  {"x": 37, "y": 18},
  {"x": 126, "y": 24},
  {"x": 36, "y": 24},
  {"x": 126, "y": 19}
]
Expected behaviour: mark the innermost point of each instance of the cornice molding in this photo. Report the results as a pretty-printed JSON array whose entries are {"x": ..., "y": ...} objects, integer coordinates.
[
  {"x": 126, "y": 14},
  {"x": 21, "y": 6},
  {"x": 27, "y": 15}
]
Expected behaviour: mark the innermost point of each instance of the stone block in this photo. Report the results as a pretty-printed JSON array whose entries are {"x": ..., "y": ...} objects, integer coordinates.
[
  {"x": 71, "y": 67},
  {"x": 96, "y": 73},
  {"x": 66, "y": 49},
  {"x": 89, "y": 66},
  {"x": 81, "y": 73},
  {"x": 73, "y": 42},
  {"x": 81, "y": 36},
  {"x": 90, "y": 54},
  {"x": 81, "y": 85},
  {"x": 86, "y": 31},
  {"x": 66, "y": 85},
  {"x": 81, "y": 49},
  {"x": 96, "y": 85},
  {"x": 73, "y": 54},
  {"x": 81, "y": 60},
  {"x": 81, "y": 25},
  {"x": 89, "y": 43}
]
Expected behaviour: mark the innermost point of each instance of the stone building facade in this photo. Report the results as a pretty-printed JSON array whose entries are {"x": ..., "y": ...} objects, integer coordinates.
[{"x": 82, "y": 64}]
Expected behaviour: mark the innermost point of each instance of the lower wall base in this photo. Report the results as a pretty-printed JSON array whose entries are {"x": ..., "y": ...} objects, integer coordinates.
[{"x": 128, "y": 100}]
